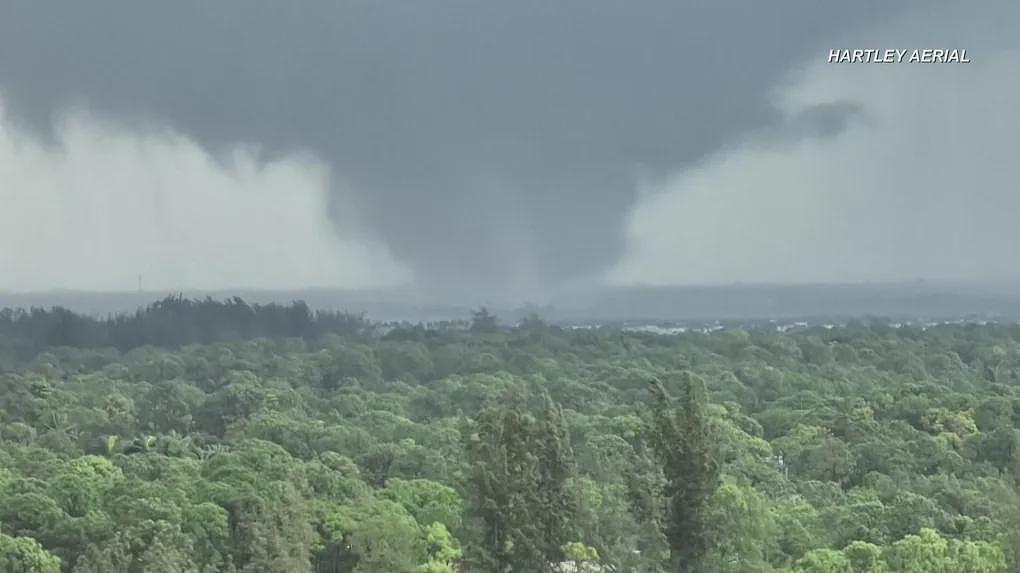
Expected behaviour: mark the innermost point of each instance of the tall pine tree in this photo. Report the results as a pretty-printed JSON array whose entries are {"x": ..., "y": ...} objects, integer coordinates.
[
  {"x": 520, "y": 465},
  {"x": 683, "y": 441}
]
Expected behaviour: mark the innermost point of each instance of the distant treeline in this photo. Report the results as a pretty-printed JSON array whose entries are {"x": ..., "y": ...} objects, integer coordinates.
[{"x": 172, "y": 321}]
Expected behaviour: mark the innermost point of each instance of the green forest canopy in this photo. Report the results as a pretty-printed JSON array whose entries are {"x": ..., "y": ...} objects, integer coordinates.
[{"x": 203, "y": 436}]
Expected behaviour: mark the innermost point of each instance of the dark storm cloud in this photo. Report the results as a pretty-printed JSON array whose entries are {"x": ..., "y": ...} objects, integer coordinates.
[{"x": 487, "y": 143}]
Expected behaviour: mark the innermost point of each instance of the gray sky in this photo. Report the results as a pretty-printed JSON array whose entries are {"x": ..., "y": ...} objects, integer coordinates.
[{"x": 510, "y": 147}]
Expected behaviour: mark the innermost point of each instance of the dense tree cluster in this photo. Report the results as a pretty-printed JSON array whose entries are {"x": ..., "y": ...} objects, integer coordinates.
[
  {"x": 172, "y": 321},
  {"x": 863, "y": 449}
]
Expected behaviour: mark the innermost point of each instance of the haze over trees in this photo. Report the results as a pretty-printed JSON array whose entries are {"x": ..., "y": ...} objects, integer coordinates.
[{"x": 206, "y": 436}]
